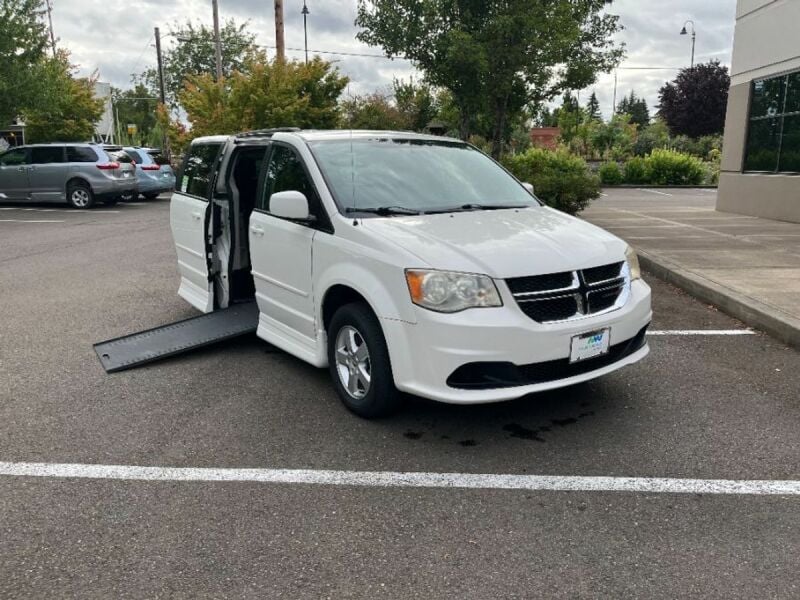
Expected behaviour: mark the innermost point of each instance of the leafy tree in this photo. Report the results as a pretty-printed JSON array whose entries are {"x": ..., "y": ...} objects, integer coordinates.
[
  {"x": 496, "y": 57},
  {"x": 373, "y": 111},
  {"x": 614, "y": 139},
  {"x": 266, "y": 94},
  {"x": 416, "y": 102},
  {"x": 23, "y": 43},
  {"x": 136, "y": 106},
  {"x": 635, "y": 107},
  {"x": 67, "y": 109},
  {"x": 194, "y": 54},
  {"x": 694, "y": 104},
  {"x": 593, "y": 108}
]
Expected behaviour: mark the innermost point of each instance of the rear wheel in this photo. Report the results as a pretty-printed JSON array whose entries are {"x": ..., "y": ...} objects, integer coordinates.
[
  {"x": 359, "y": 362},
  {"x": 150, "y": 196},
  {"x": 79, "y": 195}
]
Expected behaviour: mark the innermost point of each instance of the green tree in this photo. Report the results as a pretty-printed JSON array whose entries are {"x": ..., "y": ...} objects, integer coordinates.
[
  {"x": 496, "y": 57},
  {"x": 373, "y": 111},
  {"x": 265, "y": 94},
  {"x": 416, "y": 102},
  {"x": 194, "y": 54},
  {"x": 23, "y": 43},
  {"x": 67, "y": 109},
  {"x": 136, "y": 106},
  {"x": 593, "y": 108},
  {"x": 694, "y": 104},
  {"x": 635, "y": 107}
]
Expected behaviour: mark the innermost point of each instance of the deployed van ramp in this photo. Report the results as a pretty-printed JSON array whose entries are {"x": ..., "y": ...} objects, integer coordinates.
[{"x": 137, "y": 349}]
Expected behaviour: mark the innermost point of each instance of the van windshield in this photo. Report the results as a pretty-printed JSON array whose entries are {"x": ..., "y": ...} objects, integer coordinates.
[{"x": 408, "y": 176}]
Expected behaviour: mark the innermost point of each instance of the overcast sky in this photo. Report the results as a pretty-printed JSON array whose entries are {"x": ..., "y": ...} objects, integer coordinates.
[{"x": 115, "y": 38}]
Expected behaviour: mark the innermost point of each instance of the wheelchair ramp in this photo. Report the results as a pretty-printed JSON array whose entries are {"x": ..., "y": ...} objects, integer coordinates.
[{"x": 137, "y": 349}]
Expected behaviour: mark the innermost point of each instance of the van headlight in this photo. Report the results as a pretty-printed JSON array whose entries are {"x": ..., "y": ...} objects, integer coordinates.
[
  {"x": 633, "y": 263},
  {"x": 448, "y": 292}
]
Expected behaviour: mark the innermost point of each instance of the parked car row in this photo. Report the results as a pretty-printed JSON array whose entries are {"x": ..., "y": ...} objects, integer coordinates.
[{"x": 81, "y": 174}]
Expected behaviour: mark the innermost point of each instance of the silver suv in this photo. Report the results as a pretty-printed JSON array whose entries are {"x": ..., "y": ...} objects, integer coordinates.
[{"x": 79, "y": 174}]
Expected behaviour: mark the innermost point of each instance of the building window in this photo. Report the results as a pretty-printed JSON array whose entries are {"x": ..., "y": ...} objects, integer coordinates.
[{"x": 773, "y": 140}]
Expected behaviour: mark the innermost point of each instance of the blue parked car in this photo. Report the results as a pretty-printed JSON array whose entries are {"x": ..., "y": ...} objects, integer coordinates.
[{"x": 152, "y": 177}]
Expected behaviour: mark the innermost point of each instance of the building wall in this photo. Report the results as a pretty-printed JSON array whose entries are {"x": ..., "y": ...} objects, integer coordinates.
[{"x": 766, "y": 44}]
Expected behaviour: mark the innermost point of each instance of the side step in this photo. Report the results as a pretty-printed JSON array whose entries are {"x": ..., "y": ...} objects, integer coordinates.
[{"x": 137, "y": 349}]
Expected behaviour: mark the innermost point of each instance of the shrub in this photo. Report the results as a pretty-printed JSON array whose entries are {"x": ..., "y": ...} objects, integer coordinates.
[
  {"x": 560, "y": 179},
  {"x": 667, "y": 167},
  {"x": 636, "y": 171},
  {"x": 610, "y": 173}
]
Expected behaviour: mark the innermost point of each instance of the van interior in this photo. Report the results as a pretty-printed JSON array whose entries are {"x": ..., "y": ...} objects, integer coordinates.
[{"x": 233, "y": 281}]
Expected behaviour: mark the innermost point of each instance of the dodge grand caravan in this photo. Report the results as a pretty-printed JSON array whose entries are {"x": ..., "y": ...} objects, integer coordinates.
[{"x": 404, "y": 263}]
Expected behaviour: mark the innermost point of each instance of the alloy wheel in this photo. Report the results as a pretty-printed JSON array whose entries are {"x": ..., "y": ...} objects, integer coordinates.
[{"x": 353, "y": 362}]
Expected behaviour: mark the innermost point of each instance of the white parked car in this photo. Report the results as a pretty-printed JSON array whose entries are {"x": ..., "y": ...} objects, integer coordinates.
[{"x": 404, "y": 263}]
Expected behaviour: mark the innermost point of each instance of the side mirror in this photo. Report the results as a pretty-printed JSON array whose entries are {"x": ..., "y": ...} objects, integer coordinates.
[
  {"x": 529, "y": 187},
  {"x": 289, "y": 205}
]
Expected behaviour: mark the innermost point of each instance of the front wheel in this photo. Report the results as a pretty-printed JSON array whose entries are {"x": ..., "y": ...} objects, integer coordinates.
[
  {"x": 79, "y": 195},
  {"x": 359, "y": 362},
  {"x": 150, "y": 196}
]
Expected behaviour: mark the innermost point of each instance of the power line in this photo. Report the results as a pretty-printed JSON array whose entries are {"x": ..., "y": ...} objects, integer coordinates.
[{"x": 342, "y": 53}]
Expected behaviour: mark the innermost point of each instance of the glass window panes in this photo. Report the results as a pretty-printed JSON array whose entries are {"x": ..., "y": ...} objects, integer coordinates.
[
  {"x": 286, "y": 173},
  {"x": 790, "y": 146},
  {"x": 44, "y": 155},
  {"x": 81, "y": 154},
  {"x": 762, "y": 145},
  {"x": 18, "y": 156},
  {"x": 773, "y": 140},
  {"x": 198, "y": 168}
]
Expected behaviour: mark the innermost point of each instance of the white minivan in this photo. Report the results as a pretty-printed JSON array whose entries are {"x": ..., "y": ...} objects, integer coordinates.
[{"x": 404, "y": 263}]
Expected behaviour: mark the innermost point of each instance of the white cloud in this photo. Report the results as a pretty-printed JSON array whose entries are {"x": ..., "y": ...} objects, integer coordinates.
[{"x": 116, "y": 38}]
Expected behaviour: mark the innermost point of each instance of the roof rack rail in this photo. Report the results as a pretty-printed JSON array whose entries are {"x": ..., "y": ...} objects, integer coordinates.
[{"x": 265, "y": 132}]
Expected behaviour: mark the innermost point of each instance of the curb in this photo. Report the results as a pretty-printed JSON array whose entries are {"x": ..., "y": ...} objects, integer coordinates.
[
  {"x": 652, "y": 186},
  {"x": 768, "y": 319}
]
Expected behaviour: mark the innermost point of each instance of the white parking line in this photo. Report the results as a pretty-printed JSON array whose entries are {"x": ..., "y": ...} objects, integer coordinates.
[
  {"x": 655, "y": 485},
  {"x": 703, "y": 332},
  {"x": 30, "y": 221},
  {"x": 653, "y": 192},
  {"x": 64, "y": 210}
]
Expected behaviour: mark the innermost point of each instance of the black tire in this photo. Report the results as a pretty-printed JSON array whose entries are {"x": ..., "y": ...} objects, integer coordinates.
[
  {"x": 150, "y": 196},
  {"x": 79, "y": 195},
  {"x": 381, "y": 398},
  {"x": 128, "y": 197}
]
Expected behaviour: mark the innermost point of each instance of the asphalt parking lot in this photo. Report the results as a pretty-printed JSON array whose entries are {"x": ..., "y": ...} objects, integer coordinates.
[{"x": 703, "y": 407}]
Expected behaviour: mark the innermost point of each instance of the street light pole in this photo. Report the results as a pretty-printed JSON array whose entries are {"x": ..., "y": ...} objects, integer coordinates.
[
  {"x": 305, "y": 26},
  {"x": 161, "y": 91},
  {"x": 694, "y": 36},
  {"x": 217, "y": 42}
]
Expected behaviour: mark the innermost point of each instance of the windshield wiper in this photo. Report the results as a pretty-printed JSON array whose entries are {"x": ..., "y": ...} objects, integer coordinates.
[
  {"x": 472, "y": 206},
  {"x": 384, "y": 210}
]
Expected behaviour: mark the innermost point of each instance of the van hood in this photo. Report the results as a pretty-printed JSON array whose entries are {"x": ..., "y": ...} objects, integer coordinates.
[{"x": 501, "y": 243}]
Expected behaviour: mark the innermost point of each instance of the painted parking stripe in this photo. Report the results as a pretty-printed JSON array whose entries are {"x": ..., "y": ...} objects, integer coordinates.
[
  {"x": 656, "y": 485},
  {"x": 703, "y": 332},
  {"x": 29, "y": 221},
  {"x": 653, "y": 192}
]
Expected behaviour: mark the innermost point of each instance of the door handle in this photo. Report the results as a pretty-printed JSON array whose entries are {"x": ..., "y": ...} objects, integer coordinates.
[
  {"x": 257, "y": 230},
  {"x": 197, "y": 216}
]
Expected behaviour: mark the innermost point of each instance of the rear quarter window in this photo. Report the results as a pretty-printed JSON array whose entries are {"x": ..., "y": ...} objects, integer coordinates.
[
  {"x": 81, "y": 154},
  {"x": 198, "y": 169}
]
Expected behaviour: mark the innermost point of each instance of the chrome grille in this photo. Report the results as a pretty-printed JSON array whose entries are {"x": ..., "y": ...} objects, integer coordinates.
[{"x": 571, "y": 294}]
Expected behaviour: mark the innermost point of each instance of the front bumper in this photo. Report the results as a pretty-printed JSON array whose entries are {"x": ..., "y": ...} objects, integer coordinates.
[{"x": 426, "y": 354}]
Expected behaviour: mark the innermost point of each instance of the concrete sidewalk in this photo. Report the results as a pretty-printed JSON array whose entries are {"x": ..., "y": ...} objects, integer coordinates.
[{"x": 748, "y": 267}]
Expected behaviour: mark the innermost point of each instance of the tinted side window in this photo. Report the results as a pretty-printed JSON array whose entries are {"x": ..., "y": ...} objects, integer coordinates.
[
  {"x": 18, "y": 156},
  {"x": 81, "y": 154},
  {"x": 198, "y": 169},
  {"x": 44, "y": 155},
  {"x": 286, "y": 173}
]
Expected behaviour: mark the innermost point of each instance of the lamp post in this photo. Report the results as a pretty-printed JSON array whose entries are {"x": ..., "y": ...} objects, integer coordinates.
[
  {"x": 305, "y": 26},
  {"x": 694, "y": 36}
]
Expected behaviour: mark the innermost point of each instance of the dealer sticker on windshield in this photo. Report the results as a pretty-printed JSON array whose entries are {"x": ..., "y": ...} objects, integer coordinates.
[{"x": 589, "y": 345}]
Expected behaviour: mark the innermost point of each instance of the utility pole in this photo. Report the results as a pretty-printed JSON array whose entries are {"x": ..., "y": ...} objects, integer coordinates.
[
  {"x": 305, "y": 26},
  {"x": 217, "y": 41},
  {"x": 161, "y": 91},
  {"x": 50, "y": 18},
  {"x": 279, "y": 42},
  {"x": 614, "y": 101}
]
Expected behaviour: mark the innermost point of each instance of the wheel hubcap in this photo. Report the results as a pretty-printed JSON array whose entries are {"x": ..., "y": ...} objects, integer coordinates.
[
  {"x": 80, "y": 197},
  {"x": 352, "y": 362}
]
